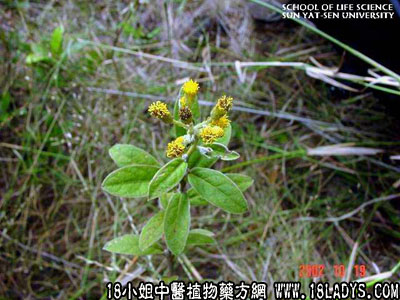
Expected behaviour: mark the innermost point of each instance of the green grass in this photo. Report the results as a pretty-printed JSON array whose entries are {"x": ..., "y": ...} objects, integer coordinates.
[{"x": 55, "y": 132}]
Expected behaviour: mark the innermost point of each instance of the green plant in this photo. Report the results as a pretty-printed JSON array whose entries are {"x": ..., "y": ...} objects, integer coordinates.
[
  {"x": 186, "y": 180},
  {"x": 48, "y": 51}
]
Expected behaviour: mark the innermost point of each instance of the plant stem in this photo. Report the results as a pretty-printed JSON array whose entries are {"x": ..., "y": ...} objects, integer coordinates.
[
  {"x": 192, "y": 148},
  {"x": 170, "y": 262},
  {"x": 180, "y": 124}
]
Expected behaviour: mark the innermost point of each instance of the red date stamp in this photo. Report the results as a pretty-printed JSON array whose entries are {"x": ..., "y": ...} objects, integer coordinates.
[{"x": 339, "y": 271}]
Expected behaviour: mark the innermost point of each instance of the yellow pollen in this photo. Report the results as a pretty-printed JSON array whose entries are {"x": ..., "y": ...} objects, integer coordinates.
[
  {"x": 179, "y": 140},
  {"x": 222, "y": 122},
  {"x": 190, "y": 88},
  {"x": 175, "y": 148},
  {"x": 159, "y": 110},
  {"x": 210, "y": 134},
  {"x": 225, "y": 103}
]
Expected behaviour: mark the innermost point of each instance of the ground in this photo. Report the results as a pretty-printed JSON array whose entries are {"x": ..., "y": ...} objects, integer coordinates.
[{"x": 63, "y": 108}]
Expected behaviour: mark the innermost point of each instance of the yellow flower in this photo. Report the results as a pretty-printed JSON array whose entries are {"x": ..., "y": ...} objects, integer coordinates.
[
  {"x": 225, "y": 103},
  {"x": 222, "y": 122},
  {"x": 182, "y": 101},
  {"x": 175, "y": 148},
  {"x": 160, "y": 110},
  {"x": 210, "y": 134},
  {"x": 180, "y": 140},
  {"x": 190, "y": 88}
]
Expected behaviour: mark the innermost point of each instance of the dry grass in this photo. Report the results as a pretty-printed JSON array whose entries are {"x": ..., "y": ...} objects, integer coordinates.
[{"x": 63, "y": 117}]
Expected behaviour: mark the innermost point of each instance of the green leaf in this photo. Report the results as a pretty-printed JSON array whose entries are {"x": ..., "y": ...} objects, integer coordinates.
[
  {"x": 218, "y": 189},
  {"x": 227, "y": 136},
  {"x": 232, "y": 155},
  {"x": 179, "y": 131},
  {"x": 56, "y": 41},
  {"x": 195, "y": 108},
  {"x": 167, "y": 177},
  {"x": 38, "y": 54},
  {"x": 195, "y": 198},
  {"x": 219, "y": 151},
  {"x": 152, "y": 231},
  {"x": 129, "y": 244},
  {"x": 164, "y": 199},
  {"x": 130, "y": 181},
  {"x": 177, "y": 223},
  {"x": 200, "y": 237},
  {"x": 242, "y": 181},
  {"x": 198, "y": 160},
  {"x": 124, "y": 155}
]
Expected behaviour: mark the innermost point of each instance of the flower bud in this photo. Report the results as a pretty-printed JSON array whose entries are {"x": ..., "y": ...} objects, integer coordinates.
[
  {"x": 160, "y": 111},
  {"x": 185, "y": 114},
  {"x": 223, "y": 106}
]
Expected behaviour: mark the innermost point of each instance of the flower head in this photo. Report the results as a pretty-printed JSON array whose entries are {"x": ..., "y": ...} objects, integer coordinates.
[
  {"x": 225, "y": 103},
  {"x": 176, "y": 147},
  {"x": 185, "y": 114},
  {"x": 210, "y": 134},
  {"x": 190, "y": 88},
  {"x": 222, "y": 122},
  {"x": 160, "y": 111}
]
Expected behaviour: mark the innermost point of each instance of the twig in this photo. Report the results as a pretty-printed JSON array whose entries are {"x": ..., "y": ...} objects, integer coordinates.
[{"x": 352, "y": 213}]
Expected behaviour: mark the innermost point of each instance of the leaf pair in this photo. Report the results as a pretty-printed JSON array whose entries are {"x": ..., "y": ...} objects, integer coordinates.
[
  {"x": 40, "y": 52},
  {"x": 174, "y": 223},
  {"x": 140, "y": 174},
  {"x": 137, "y": 170},
  {"x": 169, "y": 176}
]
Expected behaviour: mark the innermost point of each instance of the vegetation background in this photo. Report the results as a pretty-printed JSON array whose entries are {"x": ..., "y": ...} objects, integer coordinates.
[{"x": 77, "y": 77}]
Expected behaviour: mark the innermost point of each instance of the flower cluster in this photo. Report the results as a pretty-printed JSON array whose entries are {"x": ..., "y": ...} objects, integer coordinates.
[
  {"x": 206, "y": 132},
  {"x": 222, "y": 122},
  {"x": 210, "y": 134},
  {"x": 160, "y": 111},
  {"x": 176, "y": 148},
  {"x": 224, "y": 105}
]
